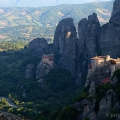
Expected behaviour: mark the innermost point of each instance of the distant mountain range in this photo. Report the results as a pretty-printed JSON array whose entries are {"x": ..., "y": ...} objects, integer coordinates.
[
  {"x": 27, "y": 23},
  {"x": 40, "y": 3}
]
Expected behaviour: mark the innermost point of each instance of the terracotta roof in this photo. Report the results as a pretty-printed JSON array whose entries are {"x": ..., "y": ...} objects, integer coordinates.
[
  {"x": 105, "y": 80},
  {"x": 113, "y": 62}
]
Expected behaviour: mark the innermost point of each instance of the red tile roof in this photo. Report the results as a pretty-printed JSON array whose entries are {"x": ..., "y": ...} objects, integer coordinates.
[{"x": 105, "y": 80}]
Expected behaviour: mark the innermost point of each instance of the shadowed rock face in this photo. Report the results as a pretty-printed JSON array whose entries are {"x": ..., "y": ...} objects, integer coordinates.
[
  {"x": 88, "y": 35},
  {"x": 65, "y": 43},
  {"x": 115, "y": 18},
  {"x": 116, "y": 7},
  {"x": 64, "y": 31},
  {"x": 87, "y": 45},
  {"x": 116, "y": 12},
  {"x": 91, "y": 33},
  {"x": 38, "y": 43},
  {"x": 93, "y": 40},
  {"x": 29, "y": 73},
  {"x": 109, "y": 41}
]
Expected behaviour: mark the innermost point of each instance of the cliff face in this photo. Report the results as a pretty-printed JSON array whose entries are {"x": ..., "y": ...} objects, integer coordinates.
[
  {"x": 65, "y": 43},
  {"x": 109, "y": 35},
  {"x": 29, "y": 73},
  {"x": 76, "y": 53},
  {"x": 95, "y": 40},
  {"x": 38, "y": 45},
  {"x": 88, "y": 35},
  {"x": 87, "y": 45},
  {"x": 109, "y": 42},
  {"x": 116, "y": 7},
  {"x": 44, "y": 67}
]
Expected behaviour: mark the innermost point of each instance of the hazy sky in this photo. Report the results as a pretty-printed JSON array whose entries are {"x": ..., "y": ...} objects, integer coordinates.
[
  {"x": 58, "y": 2},
  {"x": 80, "y": 1},
  {"x": 42, "y": 3}
]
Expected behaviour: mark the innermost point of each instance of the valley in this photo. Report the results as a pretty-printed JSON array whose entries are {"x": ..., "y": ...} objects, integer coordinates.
[
  {"x": 70, "y": 74},
  {"x": 25, "y": 24}
]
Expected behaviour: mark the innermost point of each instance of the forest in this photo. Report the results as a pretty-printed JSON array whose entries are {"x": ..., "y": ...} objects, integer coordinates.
[{"x": 59, "y": 89}]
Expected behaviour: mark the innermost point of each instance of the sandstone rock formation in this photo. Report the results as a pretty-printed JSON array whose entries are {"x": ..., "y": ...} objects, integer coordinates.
[
  {"x": 109, "y": 40},
  {"x": 109, "y": 36},
  {"x": 88, "y": 35},
  {"x": 38, "y": 45},
  {"x": 95, "y": 40},
  {"x": 116, "y": 11},
  {"x": 30, "y": 71},
  {"x": 65, "y": 43},
  {"x": 110, "y": 99},
  {"x": 92, "y": 89},
  {"x": 45, "y": 65},
  {"x": 87, "y": 44},
  {"x": 98, "y": 75}
]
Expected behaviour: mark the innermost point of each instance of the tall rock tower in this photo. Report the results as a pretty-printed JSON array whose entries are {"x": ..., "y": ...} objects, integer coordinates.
[
  {"x": 109, "y": 41},
  {"x": 88, "y": 30},
  {"x": 116, "y": 12},
  {"x": 65, "y": 38}
]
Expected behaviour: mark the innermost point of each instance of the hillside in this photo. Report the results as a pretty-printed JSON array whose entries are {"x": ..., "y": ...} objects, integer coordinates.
[{"x": 27, "y": 23}]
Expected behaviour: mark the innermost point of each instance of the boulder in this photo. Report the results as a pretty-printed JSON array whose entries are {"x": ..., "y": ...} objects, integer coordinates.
[{"x": 38, "y": 43}]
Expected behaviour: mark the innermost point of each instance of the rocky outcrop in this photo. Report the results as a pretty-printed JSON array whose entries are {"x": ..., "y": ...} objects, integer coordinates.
[
  {"x": 92, "y": 89},
  {"x": 87, "y": 45},
  {"x": 109, "y": 36},
  {"x": 9, "y": 116},
  {"x": 81, "y": 40},
  {"x": 116, "y": 12},
  {"x": 107, "y": 102},
  {"x": 88, "y": 35},
  {"x": 109, "y": 42},
  {"x": 30, "y": 71},
  {"x": 65, "y": 43},
  {"x": 95, "y": 40},
  {"x": 98, "y": 75},
  {"x": 90, "y": 108},
  {"x": 44, "y": 67},
  {"x": 38, "y": 45}
]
